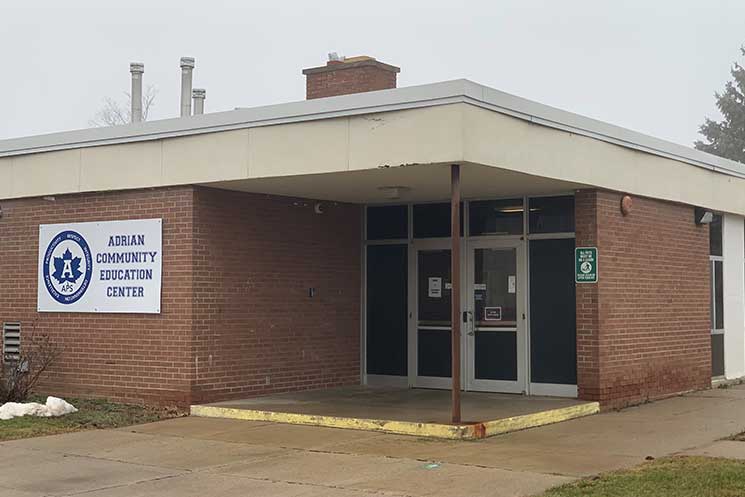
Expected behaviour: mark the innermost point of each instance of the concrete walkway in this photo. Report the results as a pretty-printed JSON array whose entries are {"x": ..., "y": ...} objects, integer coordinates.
[{"x": 215, "y": 457}]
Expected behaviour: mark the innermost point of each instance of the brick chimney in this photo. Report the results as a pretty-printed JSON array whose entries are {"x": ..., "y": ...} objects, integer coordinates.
[{"x": 342, "y": 76}]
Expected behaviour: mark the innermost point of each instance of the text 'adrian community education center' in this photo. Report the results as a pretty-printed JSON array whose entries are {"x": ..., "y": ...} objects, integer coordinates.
[{"x": 307, "y": 245}]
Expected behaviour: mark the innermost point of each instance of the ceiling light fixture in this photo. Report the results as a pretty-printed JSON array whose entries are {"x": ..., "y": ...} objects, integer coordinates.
[{"x": 394, "y": 192}]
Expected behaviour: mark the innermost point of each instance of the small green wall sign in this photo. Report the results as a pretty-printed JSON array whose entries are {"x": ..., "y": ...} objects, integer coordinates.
[{"x": 586, "y": 264}]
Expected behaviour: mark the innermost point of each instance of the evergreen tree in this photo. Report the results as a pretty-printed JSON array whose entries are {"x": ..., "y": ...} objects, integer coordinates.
[{"x": 727, "y": 138}]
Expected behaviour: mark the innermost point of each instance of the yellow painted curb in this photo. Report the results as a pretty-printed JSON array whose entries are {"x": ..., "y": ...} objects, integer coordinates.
[
  {"x": 433, "y": 430},
  {"x": 506, "y": 425}
]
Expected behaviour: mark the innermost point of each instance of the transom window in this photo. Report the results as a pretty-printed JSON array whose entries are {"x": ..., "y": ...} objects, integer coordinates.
[{"x": 496, "y": 217}]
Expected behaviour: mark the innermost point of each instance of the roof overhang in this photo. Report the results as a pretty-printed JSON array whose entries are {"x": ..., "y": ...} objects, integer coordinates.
[
  {"x": 451, "y": 122},
  {"x": 443, "y": 93}
]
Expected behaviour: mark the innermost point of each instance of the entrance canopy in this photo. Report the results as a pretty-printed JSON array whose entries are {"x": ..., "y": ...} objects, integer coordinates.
[
  {"x": 410, "y": 183},
  {"x": 456, "y": 122}
]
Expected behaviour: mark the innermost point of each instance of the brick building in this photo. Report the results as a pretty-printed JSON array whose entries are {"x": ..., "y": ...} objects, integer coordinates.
[{"x": 307, "y": 245}]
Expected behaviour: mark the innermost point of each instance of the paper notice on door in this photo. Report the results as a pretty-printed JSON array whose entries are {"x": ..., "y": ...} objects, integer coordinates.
[
  {"x": 492, "y": 313},
  {"x": 434, "y": 288},
  {"x": 479, "y": 286},
  {"x": 511, "y": 284}
]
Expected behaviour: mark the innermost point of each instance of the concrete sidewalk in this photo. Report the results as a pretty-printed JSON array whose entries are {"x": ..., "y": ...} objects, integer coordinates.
[{"x": 205, "y": 457}]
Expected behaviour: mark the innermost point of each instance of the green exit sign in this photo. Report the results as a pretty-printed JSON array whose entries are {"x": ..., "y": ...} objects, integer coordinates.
[{"x": 586, "y": 265}]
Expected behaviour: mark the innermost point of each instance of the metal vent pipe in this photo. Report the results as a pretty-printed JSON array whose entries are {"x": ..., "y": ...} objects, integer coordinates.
[
  {"x": 137, "y": 69},
  {"x": 199, "y": 94},
  {"x": 187, "y": 67}
]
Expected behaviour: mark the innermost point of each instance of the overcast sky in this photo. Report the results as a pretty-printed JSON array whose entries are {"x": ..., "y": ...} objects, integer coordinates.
[{"x": 651, "y": 66}]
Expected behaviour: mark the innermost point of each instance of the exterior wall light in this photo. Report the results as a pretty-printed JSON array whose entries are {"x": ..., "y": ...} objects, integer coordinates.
[
  {"x": 703, "y": 216},
  {"x": 626, "y": 204}
]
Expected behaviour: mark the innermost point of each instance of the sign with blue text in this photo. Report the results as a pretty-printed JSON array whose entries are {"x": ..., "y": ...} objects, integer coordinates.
[{"x": 108, "y": 266}]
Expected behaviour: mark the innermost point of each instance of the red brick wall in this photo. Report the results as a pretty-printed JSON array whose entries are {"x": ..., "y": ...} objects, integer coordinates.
[
  {"x": 132, "y": 357},
  {"x": 345, "y": 80},
  {"x": 588, "y": 340},
  {"x": 235, "y": 307},
  {"x": 643, "y": 330},
  {"x": 256, "y": 330}
]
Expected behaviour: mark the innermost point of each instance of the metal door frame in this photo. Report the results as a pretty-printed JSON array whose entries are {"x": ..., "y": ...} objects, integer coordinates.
[
  {"x": 416, "y": 381},
  {"x": 521, "y": 384}
]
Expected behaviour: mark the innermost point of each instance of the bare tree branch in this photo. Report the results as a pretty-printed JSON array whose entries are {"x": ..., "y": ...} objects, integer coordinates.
[
  {"x": 18, "y": 378},
  {"x": 148, "y": 101},
  {"x": 114, "y": 113}
]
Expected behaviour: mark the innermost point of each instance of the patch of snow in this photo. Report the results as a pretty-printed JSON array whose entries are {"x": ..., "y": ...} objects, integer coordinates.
[{"x": 54, "y": 407}]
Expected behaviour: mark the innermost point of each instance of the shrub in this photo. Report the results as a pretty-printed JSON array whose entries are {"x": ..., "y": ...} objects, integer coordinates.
[{"x": 19, "y": 377}]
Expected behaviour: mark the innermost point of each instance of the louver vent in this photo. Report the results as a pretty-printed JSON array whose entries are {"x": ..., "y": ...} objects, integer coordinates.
[{"x": 11, "y": 341}]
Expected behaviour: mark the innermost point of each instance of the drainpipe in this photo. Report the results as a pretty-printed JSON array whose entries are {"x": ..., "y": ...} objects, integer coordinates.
[
  {"x": 187, "y": 66},
  {"x": 199, "y": 94},
  {"x": 136, "y": 69}
]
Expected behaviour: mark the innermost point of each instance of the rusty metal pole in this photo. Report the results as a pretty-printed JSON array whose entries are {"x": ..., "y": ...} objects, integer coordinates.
[{"x": 455, "y": 282}]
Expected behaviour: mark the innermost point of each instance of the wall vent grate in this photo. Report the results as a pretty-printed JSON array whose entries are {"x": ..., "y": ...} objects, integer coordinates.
[{"x": 11, "y": 342}]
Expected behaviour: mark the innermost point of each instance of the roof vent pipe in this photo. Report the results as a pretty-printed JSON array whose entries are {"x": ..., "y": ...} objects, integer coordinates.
[
  {"x": 187, "y": 66},
  {"x": 136, "y": 69},
  {"x": 199, "y": 94}
]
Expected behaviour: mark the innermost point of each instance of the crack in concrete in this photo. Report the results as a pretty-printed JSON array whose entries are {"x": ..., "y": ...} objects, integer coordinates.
[
  {"x": 121, "y": 485},
  {"x": 385, "y": 456},
  {"x": 319, "y": 485}
]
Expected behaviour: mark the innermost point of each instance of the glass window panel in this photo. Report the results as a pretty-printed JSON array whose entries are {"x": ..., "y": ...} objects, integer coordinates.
[
  {"x": 433, "y": 305},
  {"x": 712, "y": 306},
  {"x": 496, "y": 217},
  {"x": 551, "y": 214},
  {"x": 433, "y": 220},
  {"x": 434, "y": 287},
  {"x": 387, "y": 312},
  {"x": 495, "y": 355},
  {"x": 553, "y": 319},
  {"x": 495, "y": 306},
  {"x": 715, "y": 235},
  {"x": 717, "y": 355},
  {"x": 387, "y": 222},
  {"x": 434, "y": 356},
  {"x": 718, "y": 296},
  {"x": 495, "y": 287}
]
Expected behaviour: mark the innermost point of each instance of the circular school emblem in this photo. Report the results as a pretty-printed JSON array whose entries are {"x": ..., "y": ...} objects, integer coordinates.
[
  {"x": 68, "y": 267},
  {"x": 585, "y": 267}
]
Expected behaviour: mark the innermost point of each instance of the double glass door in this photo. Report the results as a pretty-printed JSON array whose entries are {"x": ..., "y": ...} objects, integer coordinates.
[{"x": 493, "y": 340}]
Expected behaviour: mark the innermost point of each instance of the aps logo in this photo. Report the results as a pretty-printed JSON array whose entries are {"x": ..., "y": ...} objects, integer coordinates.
[{"x": 68, "y": 267}]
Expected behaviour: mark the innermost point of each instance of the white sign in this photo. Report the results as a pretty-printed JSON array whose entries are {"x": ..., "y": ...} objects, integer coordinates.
[
  {"x": 511, "y": 284},
  {"x": 112, "y": 266},
  {"x": 434, "y": 289},
  {"x": 492, "y": 313}
]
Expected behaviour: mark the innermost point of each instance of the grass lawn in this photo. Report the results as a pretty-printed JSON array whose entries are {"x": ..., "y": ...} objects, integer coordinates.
[
  {"x": 92, "y": 414},
  {"x": 668, "y": 477}
]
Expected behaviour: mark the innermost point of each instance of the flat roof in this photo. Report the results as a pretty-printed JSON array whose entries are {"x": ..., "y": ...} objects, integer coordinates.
[{"x": 443, "y": 93}]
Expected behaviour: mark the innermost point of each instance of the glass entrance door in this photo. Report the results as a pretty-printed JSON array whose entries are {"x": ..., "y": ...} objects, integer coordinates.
[
  {"x": 433, "y": 325},
  {"x": 495, "y": 329}
]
